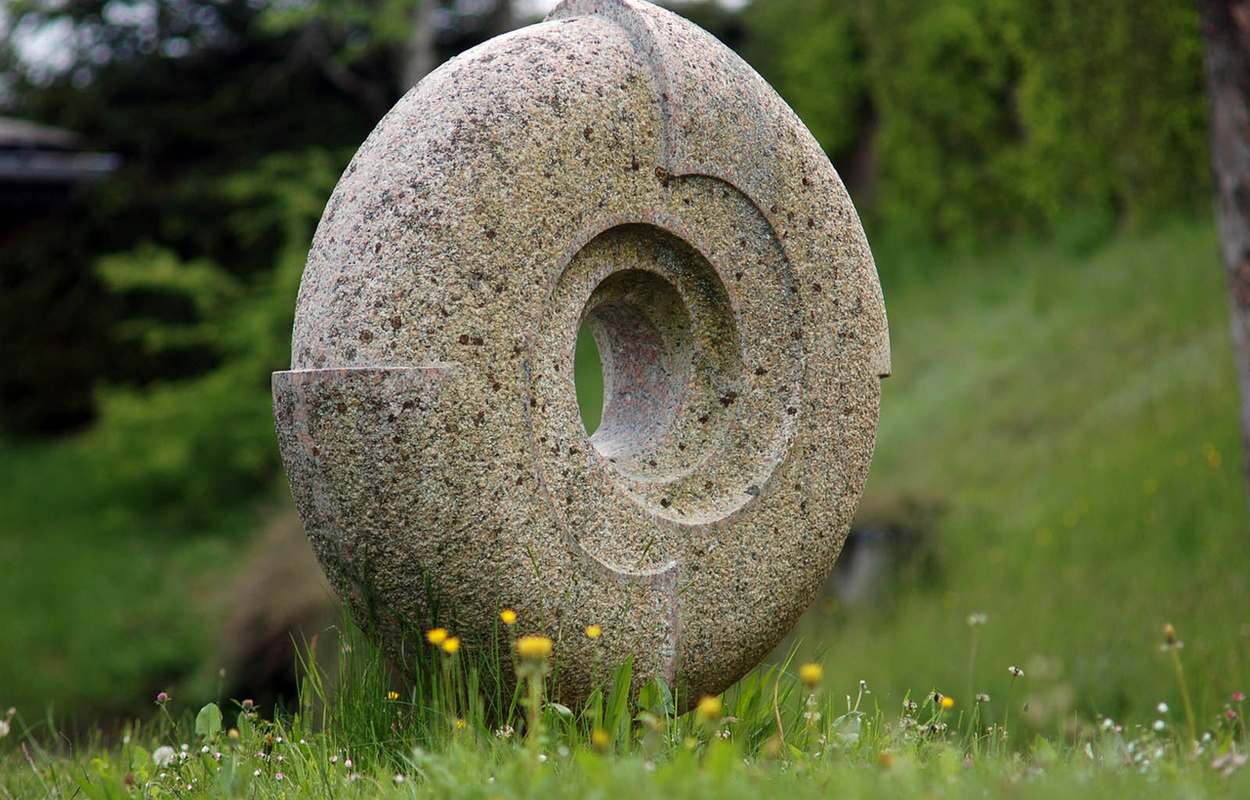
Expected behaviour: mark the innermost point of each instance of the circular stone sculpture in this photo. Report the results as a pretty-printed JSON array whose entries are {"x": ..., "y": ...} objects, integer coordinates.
[{"x": 614, "y": 165}]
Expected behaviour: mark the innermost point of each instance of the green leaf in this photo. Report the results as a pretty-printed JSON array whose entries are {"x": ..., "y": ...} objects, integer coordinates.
[{"x": 208, "y": 721}]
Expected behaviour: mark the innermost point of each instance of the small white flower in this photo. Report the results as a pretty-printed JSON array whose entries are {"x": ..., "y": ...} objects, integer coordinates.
[
  {"x": 256, "y": 774},
  {"x": 1163, "y": 708},
  {"x": 353, "y": 777},
  {"x": 1160, "y": 724},
  {"x": 163, "y": 756},
  {"x": 542, "y": 757},
  {"x": 204, "y": 749},
  {"x": 1107, "y": 723},
  {"x": 185, "y": 747},
  {"x": 399, "y": 777},
  {"x": 278, "y": 776},
  {"x": 348, "y": 763},
  {"x": 4, "y": 728},
  {"x": 334, "y": 759}
]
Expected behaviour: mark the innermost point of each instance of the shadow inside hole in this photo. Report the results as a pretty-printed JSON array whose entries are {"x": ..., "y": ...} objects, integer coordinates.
[{"x": 588, "y": 378}]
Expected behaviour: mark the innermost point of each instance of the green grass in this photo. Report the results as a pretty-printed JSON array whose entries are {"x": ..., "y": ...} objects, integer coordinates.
[
  {"x": 1074, "y": 421},
  {"x": 772, "y": 734}
]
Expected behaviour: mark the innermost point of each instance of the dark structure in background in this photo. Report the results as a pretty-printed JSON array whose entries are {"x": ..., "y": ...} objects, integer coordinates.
[
  {"x": 40, "y": 169},
  {"x": 43, "y": 171}
]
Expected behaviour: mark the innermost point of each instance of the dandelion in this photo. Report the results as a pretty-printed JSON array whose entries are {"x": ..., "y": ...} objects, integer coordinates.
[
  {"x": 451, "y": 645},
  {"x": 709, "y": 707},
  {"x": 164, "y": 755},
  {"x": 811, "y": 674},
  {"x": 535, "y": 648},
  {"x": 594, "y": 631},
  {"x": 436, "y": 636},
  {"x": 507, "y": 617},
  {"x": 392, "y": 695},
  {"x": 1170, "y": 641},
  {"x": 948, "y": 702},
  {"x": 600, "y": 739},
  {"x": 1015, "y": 671}
]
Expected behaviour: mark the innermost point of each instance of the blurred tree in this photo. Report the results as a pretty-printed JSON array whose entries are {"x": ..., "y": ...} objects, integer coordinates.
[
  {"x": 954, "y": 121},
  {"x": 1226, "y": 33}
]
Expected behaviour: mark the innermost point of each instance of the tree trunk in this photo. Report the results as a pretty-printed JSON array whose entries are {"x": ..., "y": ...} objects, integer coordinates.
[
  {"x": 419, "y": 54},
  {"x": 501, "y": 19},
  {"x": 1226, "y": 36}
]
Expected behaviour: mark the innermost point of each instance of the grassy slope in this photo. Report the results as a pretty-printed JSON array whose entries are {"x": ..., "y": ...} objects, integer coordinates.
[
  {"x": 1076, "y": 421},
  {"x": 101, "y": 608}
]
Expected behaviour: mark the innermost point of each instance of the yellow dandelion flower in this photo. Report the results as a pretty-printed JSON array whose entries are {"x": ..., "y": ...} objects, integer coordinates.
[
  {"x": 811, "y": 674},
  {"x": 948, "y": 702},
  {"x": 709, "y": 707},
  {"x": 507, "y": 616},
  {"x": 594, "y": 631},
  {"x": 436, "y": 636},
  {"x": 392, "y": 695},
  {"x": 451, "y": 645},
  {"x": 461, "y": 724},
  {"x": 600, "y": 739},
  {"x": 533, "y": 647}
]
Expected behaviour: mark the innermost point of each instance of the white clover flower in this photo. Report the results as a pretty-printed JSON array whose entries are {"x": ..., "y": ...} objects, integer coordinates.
[{"x": 163, "y": 756}]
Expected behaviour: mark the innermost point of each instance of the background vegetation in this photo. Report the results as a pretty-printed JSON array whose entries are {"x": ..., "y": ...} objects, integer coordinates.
[{"x": 1059, "y": 442}]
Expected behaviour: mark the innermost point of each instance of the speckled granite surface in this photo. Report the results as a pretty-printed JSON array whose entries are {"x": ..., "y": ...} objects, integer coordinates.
[{"x": 613, "y": 165}]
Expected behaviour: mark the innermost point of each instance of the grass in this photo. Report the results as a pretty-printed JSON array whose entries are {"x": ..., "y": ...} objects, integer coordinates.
[
  {"x": 1074, "y": 421},
  {"x": 774, "y": 732},
  {"x": 1061, "y": 428}
]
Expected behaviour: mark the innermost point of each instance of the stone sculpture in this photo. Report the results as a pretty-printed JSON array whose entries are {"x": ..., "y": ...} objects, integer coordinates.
[{"x": 613, "y": 165}]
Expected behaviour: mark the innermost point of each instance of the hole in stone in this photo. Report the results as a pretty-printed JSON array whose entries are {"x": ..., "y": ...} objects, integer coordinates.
[
  {"x": 641, "y": 329},
  {"x": 588, "y": 378}
]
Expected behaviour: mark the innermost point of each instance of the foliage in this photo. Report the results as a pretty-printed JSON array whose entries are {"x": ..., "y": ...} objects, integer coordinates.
[
  {"x": 987, "y": 118},
  {"x": 194, "y": 444}
]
